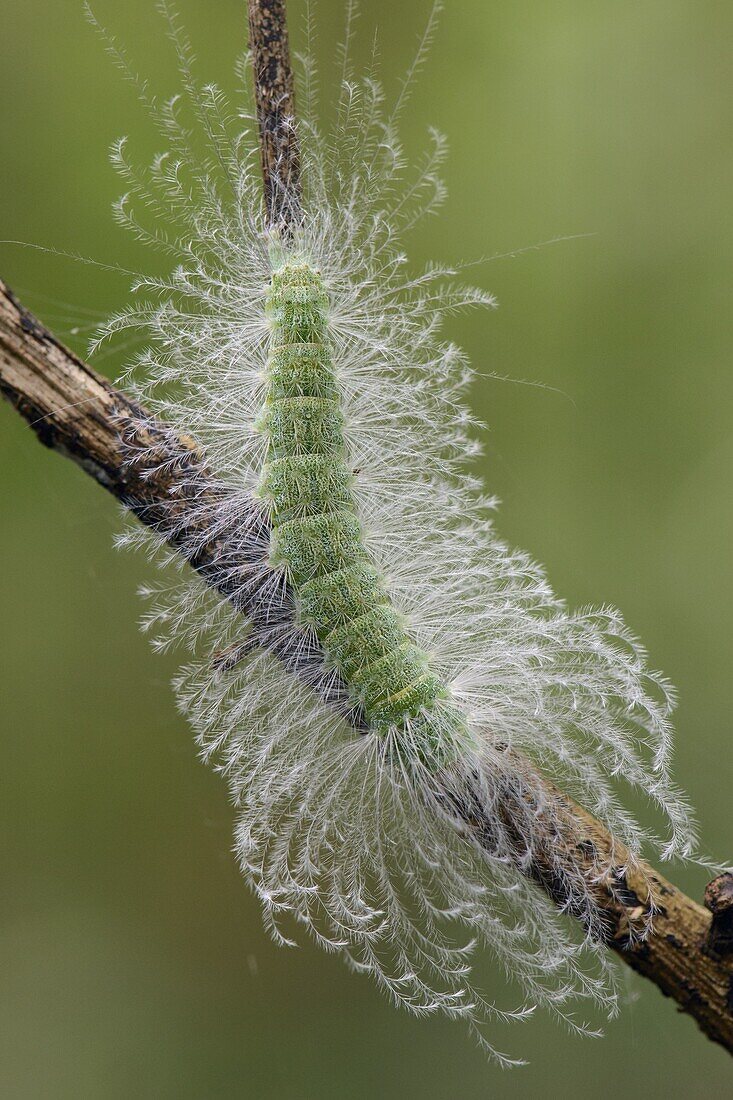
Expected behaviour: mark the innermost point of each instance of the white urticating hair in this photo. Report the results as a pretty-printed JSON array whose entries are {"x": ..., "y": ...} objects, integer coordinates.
[{"x": 404, "y": 868}]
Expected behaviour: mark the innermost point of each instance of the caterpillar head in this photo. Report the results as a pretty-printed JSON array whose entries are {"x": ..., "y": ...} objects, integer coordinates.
[{"x": 297, "y": 302}]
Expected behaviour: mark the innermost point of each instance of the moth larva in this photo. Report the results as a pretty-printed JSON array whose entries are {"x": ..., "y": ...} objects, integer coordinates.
[{"x": 317, "y": 534}]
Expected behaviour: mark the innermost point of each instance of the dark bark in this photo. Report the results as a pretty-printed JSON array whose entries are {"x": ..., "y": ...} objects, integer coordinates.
[{"x": 275, "y": 103}]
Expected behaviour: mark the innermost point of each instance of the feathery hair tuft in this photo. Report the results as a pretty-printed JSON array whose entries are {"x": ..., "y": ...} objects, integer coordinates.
[{"x": 351, "y": 830}]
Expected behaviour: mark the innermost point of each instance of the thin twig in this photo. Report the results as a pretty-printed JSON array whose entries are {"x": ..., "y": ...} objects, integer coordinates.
[
  {"x": 275, "y": 102},
  {"x": 76, "y": 412}
]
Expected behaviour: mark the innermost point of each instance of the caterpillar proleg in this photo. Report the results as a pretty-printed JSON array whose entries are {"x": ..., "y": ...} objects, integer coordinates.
[{"x": 389, "y": 689}]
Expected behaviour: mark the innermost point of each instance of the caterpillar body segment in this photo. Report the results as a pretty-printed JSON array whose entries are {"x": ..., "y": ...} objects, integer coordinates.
[{"x": 317, "y": 537}]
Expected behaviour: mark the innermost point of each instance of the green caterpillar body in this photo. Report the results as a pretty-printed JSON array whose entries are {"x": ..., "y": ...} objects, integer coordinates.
[{"x": 317, "y": 536}]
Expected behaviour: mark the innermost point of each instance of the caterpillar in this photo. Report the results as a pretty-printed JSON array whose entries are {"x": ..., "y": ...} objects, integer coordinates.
[
  {"x": 389, "y": 689},
  {"x": 317, "y": 534}
]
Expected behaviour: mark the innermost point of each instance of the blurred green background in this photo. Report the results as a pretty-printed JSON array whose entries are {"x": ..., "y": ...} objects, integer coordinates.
[{"x": 132, "y": 959}]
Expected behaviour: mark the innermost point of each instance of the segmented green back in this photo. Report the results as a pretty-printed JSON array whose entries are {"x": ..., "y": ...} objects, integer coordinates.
[{"x": 317, "y": 535}]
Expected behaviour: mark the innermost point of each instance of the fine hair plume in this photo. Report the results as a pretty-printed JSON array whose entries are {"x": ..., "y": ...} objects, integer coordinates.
[{"x": 392, "y": 693}]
